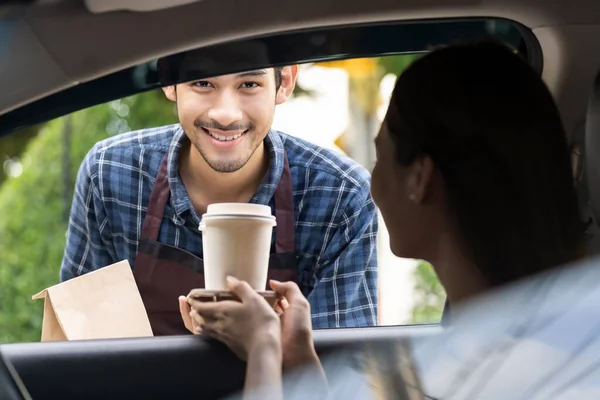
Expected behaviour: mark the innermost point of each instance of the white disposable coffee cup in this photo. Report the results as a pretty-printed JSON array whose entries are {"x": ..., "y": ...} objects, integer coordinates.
[{"x": 236, "y": 241}]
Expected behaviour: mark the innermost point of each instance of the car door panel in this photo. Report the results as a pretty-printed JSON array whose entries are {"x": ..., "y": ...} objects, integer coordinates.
[{"x": 161, "y": 367}]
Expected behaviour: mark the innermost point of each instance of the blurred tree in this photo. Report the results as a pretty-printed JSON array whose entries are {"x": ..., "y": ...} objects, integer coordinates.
[
  {"x": 12, "y": 146},
  {"x": 429, "y": 295},
  {"x": 364, "y": 78},
  {"x": 32, "y": 231}
]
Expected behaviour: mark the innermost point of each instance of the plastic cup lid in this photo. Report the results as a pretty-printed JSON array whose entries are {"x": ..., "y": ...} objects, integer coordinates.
[
  {"x": 219, "y": 211},
  {"x": 245, "y": 209}
]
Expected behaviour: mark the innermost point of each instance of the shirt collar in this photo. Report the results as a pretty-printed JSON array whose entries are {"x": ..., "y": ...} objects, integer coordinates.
[{"x": 180, "y": 200}]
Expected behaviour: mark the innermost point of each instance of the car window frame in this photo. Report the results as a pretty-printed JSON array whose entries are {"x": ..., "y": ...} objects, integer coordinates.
[{"x": 284, "y": 48}]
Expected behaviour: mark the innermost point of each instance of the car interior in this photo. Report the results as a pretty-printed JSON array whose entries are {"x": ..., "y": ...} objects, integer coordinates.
[
  {"x": 60, "y": 56},
  {"x": 12, "y": 387}
]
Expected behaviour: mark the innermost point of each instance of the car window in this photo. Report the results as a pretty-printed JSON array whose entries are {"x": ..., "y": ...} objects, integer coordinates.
[{"x": 329, "y": 122}]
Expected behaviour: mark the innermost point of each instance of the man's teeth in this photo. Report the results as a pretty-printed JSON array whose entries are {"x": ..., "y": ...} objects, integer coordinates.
[{"x": 225, "y": 138}]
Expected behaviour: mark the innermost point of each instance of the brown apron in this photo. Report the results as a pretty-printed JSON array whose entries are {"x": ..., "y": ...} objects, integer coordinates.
[{"x": 163, "y": 272}]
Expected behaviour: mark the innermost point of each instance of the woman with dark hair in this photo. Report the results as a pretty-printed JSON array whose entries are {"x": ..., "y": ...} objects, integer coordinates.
[
  {"x": 473, "y": 170},
  {"x": 473, "y": 175}
]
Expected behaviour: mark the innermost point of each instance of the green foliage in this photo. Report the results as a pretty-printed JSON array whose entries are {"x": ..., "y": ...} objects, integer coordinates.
[
  {"x": 396, "y": 64},
  {"x": 429, "y": 295},
  {"x": 12, "y": 146},
  {"x": 33, "y": 227}
]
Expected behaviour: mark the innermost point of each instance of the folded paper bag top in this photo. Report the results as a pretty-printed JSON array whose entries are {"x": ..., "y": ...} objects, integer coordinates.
[{"x": 103, "y": 304}]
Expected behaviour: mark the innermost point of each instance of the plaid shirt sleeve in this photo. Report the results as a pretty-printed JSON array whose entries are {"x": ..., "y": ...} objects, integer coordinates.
[
  {"x": 345, "y": 294},
  {"x": 88, "y": 244}
]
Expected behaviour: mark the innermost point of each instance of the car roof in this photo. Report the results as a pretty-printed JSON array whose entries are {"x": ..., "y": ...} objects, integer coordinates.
[{"x": 54, "y": 45}]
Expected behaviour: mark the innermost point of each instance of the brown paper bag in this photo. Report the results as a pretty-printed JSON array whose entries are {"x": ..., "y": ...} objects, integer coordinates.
[{"x": 102, "y": 304}]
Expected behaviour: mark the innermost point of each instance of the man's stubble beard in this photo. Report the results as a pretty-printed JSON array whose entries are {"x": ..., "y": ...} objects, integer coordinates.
[
  {"x": 222, "y": 166},
  {"x": 217, "y": 166}
]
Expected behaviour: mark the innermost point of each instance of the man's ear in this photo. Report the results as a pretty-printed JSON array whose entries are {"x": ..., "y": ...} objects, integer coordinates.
[
  {"x": 288, "y": 83},
  {"x": 170, "y": 92}
]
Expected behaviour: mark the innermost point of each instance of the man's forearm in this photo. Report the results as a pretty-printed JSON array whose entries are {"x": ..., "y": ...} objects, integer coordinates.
[{"x": 263, "y": 372}]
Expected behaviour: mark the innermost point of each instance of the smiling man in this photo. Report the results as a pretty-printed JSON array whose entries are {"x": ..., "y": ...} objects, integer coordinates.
[{"x": 140, "y": 196}]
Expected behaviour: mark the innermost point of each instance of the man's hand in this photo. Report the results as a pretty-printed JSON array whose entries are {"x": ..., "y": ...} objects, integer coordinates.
[
  {"x": 242, "y": 326},
  {"x": 296, "y": 326}
]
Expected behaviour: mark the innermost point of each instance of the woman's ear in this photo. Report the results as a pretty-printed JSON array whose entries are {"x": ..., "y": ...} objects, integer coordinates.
[{"x": 420, "y": 179}]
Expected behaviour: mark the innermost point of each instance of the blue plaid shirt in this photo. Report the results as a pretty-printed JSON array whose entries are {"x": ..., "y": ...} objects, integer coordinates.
[{"x": 335, "y": 217}]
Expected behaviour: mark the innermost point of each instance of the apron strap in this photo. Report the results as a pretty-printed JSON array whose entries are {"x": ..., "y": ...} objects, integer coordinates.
[
  {"x": 284, "y": 211},
  {"x": 158, "y": 202}
]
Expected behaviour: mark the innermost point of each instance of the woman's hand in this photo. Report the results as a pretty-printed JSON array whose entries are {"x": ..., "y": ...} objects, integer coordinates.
[
  {"x": 296, "y": 326},
  {"x": 242, "y": 326},
  {"x": 185, "y": 309},
  {"x": 298, "y": 349}
]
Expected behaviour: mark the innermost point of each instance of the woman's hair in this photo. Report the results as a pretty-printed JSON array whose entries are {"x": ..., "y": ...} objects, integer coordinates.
[{"x": 491, "y": 126}]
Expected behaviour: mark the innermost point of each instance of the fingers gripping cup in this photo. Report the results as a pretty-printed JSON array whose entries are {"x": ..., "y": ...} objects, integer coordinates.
[{"x": 236, "y": 238}]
